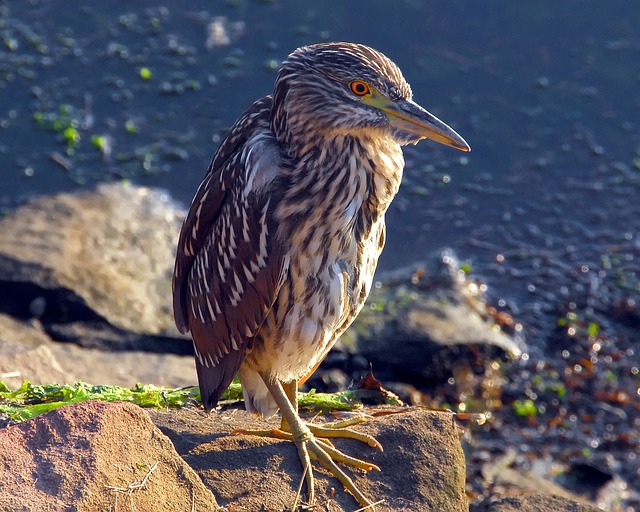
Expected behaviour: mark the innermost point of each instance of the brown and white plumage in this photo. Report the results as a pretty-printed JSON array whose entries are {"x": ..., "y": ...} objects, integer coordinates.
[{"x": 278, "y": 251}]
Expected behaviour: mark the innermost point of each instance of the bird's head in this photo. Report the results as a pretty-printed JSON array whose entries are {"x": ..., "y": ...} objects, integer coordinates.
[{"x": 346, "y": 88}]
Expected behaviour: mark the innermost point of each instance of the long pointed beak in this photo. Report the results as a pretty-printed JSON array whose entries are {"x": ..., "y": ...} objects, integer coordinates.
[{"x": 408, "y": 116}]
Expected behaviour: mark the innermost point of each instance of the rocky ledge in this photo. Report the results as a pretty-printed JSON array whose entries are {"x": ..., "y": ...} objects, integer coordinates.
[{"x": 117, "y": 456}]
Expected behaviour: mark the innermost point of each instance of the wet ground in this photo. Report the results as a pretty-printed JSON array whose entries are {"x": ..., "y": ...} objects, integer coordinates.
[{"x": 545, "y": 209}]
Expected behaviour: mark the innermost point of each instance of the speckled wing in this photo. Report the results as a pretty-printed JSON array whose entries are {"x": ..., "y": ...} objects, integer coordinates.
[{"x": 228, "y": 269}]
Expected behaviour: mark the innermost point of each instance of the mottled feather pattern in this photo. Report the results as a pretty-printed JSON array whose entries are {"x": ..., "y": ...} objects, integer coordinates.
[
  {"x": 277, "y": 254},
  {"x": 227, "y": 270},
  {"x": 205, "y": 206},
  {"x": 333, "y": 254},
  {"x": 302, "y": 116}
]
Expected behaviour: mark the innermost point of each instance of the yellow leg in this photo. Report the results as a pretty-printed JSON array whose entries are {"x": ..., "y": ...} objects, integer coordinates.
[
  {"x": 312, "y": 443},
  {"x": 291, "y": 390}
]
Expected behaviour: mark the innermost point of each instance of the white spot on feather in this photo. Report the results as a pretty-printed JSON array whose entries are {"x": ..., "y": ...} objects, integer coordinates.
[
  {"x": 217, "y": 306},
  {"x": 232, "y": 242},
  {"x": 245, "y": 229},
  {"x": 238, "y": 284},
  {"x": 198, "y": 355},
  {"x": 212, "y": 315},
  {"x": 220, "y": 271},
  {"x": 264, "y": 231},
  {"x": 236, "y": 290},
  {"x": 247, "y": 273}
]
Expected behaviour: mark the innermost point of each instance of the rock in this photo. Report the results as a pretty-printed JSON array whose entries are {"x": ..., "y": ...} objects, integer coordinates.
[
  {"x": 498, "y": 472},
  {"x": 422, "y": 320},
  {"x": 102, "y": 257},
  {"x": 580, "y": 483},
  {"x": 95, "y": 268},
  {"x": 34, "y": 363},
  {"x": 111, "y": 456},
  {"x": 27, "y": 353},
  {"x": 538, "y": 503},
  {"x": 95, "y": 456},
  {"x": 422, "y": 463}
]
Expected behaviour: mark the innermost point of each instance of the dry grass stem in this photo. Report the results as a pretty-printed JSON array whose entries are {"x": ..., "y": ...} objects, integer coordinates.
[{"x": 134, "y": 486}]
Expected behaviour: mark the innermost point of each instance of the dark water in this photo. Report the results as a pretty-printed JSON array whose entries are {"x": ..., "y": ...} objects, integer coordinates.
[{"x": 546, "y": 207}]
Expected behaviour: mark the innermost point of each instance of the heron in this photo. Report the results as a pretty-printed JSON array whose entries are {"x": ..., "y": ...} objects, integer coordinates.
[{"x": 277, "y": 253}]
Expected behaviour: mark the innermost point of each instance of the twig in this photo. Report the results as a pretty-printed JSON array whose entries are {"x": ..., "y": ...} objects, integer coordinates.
[
  {"x": 134, "y": 486},
  {"x": 295, "y": 502},
  {"x": 369, "y": 507}
]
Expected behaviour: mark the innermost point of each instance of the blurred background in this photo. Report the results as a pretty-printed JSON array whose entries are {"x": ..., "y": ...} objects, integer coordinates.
[
  {"x": 548, "y": 99},
  {"x": 545, "y": 209}
]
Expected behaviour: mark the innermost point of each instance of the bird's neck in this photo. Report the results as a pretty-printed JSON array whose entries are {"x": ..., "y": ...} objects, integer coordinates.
[{"x": 344, "y": 183}]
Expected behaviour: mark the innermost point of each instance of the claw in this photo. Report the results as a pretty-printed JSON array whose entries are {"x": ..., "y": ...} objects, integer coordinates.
[
  {"x": 259, "y": 433},
  {"x": 313, "y": 442}
]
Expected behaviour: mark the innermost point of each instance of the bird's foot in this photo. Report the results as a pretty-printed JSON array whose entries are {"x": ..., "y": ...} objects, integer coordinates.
[
  {"x": 327, "y": 431},
  {"x": 313, "y": 442},
  {"x": 341, "y": 430}
]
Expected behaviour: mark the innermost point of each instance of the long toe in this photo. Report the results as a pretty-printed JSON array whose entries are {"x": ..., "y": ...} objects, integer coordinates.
[
  {"x": 326, "y": 454},
  {"x": 332, "y": 431}
]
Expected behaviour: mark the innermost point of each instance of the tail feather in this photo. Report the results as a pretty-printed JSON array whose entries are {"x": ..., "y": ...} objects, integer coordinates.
[{"x": 214, "y": 380}]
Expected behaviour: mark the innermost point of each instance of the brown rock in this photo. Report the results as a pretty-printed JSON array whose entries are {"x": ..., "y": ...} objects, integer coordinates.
[
  {"x": 507, "y": 480},
  {"x": 111, "y": 249},
  {"x": 539, "y": 503},
  {"x": 101, "y": 456},
  {"x": 422, "y": 463},
  {"x": 25, "y": 354},
  {"x": 28, "y": 353},
  {"x": 426, "y": 320},
  {"x": 95, "y": 456}
]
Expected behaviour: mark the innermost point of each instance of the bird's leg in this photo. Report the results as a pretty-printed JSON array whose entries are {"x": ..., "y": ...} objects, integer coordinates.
[
  {"x": 334, "y": 430},
  {"x": 286, "y": 396},
  {"x": 309, "y": 447},
  {"x": 327, "y": 431},
  {"x": 310, "y": 444},
  {"x": 291, "y": 390}
]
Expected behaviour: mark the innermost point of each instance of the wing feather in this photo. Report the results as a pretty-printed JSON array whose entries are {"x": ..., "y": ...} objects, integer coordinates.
[
  {"x": 206, "y": 204},
  {"x": 229, "y": 267}
]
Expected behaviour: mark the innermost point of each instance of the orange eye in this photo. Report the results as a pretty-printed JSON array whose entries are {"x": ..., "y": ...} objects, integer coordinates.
[{"x": 359, "y": 88}]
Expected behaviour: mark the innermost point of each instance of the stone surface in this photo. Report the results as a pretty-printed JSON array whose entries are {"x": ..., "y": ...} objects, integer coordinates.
[
  {"x": 538, "y": 503},
  {"x": 422, "y": 463},
  {"x": 580, "y": 483},
  {"x": 109, "y": 251},
  {"x": 95, "y": 268},
  {"x": 101, "y": 456},
  {"x": 95, "y": 456},
  {"x": 421, "y": 321},
  {"x": 499, "y": 474},
  {"x": 27, "y": 353}
]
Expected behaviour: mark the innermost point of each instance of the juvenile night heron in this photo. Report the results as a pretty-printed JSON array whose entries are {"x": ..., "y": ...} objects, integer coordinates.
[{"x": 277, "y": 253}]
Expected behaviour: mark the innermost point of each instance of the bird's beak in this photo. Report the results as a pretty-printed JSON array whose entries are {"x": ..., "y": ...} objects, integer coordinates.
[{"x": 407, "y": 116}]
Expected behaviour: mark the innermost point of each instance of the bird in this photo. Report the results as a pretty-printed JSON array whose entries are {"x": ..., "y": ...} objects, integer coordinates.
[{"x": 277, "y": 253}]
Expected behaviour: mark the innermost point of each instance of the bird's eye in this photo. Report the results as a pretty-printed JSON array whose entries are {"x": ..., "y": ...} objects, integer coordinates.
[{"x": 359, "y": 88}]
